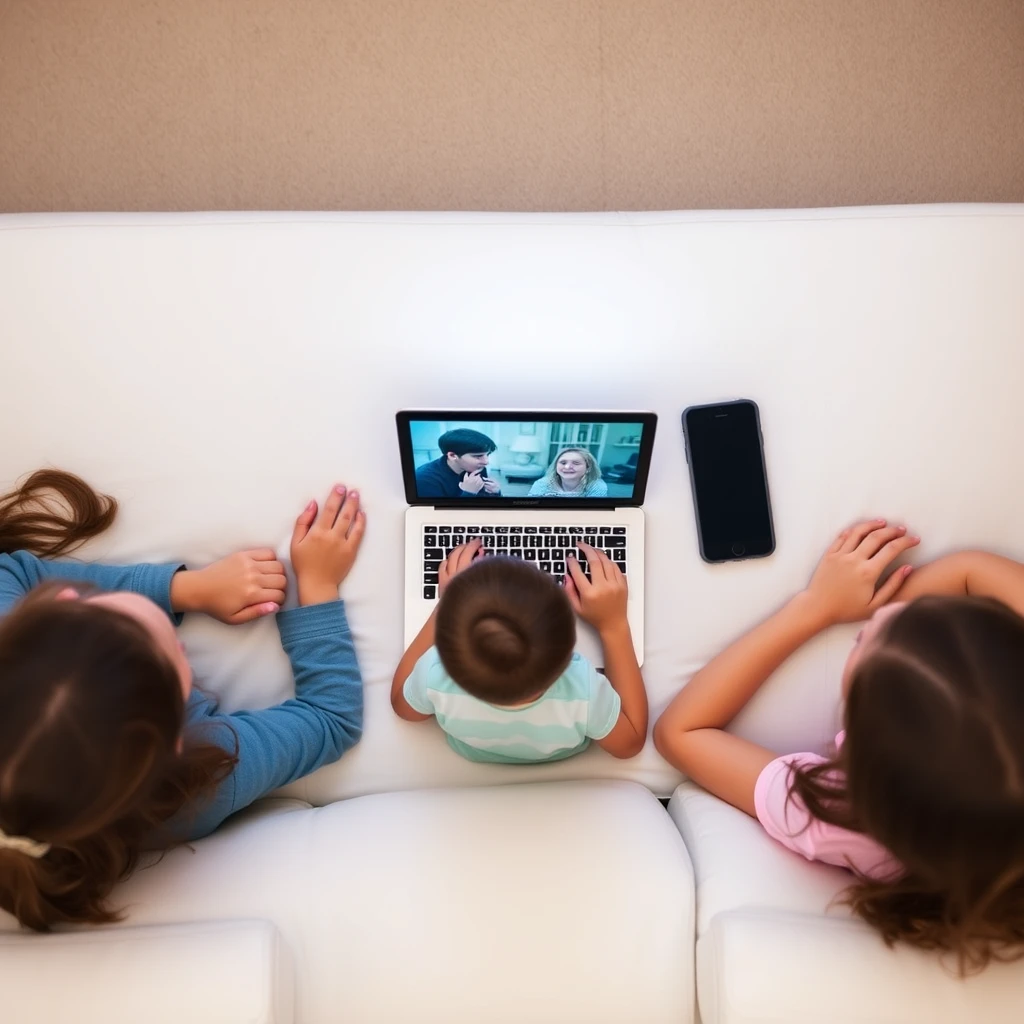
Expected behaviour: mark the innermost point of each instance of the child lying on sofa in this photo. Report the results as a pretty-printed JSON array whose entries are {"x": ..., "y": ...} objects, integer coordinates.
[
  {"x": 924, "y": 797},
  {"x": 495, "y": 664},
  {"x": 106, "y": 747}
]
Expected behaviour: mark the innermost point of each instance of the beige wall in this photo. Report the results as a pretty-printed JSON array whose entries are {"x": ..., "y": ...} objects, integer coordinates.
[{"x": 508, "y": 104}]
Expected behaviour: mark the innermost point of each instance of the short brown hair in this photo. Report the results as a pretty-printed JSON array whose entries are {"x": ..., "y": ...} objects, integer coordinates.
[
  {"x": 505, "y": 631},
  {"x": 932, "y": 768}
]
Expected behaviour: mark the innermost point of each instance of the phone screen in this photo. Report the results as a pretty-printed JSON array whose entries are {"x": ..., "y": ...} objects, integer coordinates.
[{"x": 730, "y": 490}]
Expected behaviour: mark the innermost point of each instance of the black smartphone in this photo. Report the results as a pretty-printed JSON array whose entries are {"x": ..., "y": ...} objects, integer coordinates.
[{"x": 730, "y": 487}]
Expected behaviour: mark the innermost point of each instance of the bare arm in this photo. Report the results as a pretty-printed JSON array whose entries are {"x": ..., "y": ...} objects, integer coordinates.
[
  {"x": 974, "y": 573},
  {"x": 423, "y": 642},
  {"x": 459, "y": 559},
  {"x": 690, "y": 734},
  {"x": 629, "y": 733},
  {"x": 602, "y": 602}
]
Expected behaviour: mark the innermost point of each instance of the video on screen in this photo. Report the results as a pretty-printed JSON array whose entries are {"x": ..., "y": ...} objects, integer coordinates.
[{"x": 478, "y": 459}]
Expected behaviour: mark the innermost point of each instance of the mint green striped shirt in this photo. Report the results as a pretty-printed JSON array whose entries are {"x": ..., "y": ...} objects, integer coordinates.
[{"x": 578, "y": 707}]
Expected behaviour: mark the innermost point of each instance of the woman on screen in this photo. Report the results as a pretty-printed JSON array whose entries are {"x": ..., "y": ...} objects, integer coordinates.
[{"x": 573, "y": 474}]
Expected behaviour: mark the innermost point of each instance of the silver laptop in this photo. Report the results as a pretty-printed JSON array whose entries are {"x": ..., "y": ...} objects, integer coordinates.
[{"x": 530, "y": 485}]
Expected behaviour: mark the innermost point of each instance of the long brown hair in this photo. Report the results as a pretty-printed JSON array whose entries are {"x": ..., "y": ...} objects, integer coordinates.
[
  {"x": 92, "y": 757},
  {"x": 505, "y": 632},
  {"x": 932, "y": 768}
]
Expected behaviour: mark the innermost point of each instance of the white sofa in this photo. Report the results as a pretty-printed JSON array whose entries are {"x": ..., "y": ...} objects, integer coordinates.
[{"x": 215, "y": 371}]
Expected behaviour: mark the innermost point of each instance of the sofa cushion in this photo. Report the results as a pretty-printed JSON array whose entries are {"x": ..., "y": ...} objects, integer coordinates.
[
  {"x": 216, "y": 370},
  {"x": 504, "y": 904},
  {"x": 772, "y": 945},
  {"x": 224, "y": 972}
]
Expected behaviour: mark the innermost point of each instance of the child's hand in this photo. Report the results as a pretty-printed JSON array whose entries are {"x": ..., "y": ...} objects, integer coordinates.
[
  {"x": 601, "y": 601},
  {"x": 235, "y": 589},
  {"x": 843, "y": 587},
  {"x": 324, "y": 547},
  {"x": 460, "y": 558}
]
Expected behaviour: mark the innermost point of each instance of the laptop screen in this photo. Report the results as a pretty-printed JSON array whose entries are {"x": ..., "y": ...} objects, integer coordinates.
[{"x": 490, "y": 459}]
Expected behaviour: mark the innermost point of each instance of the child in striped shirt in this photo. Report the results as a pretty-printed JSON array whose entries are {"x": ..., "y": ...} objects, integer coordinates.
[{"x": 495, "y": 663}]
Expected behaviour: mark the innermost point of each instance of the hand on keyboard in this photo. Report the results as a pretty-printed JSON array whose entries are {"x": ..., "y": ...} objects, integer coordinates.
[
  {"x": 601, "y": 600},
  {"x": 460, "y": 558},
  {"x": 543, "y": 546}
]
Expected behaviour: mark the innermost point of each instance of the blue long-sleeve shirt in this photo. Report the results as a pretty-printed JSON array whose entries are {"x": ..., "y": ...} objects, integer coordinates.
[{"x": 275, "y": 746}]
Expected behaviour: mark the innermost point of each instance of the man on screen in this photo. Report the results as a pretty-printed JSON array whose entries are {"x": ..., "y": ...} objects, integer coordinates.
[{"x": 461, "y": 472}]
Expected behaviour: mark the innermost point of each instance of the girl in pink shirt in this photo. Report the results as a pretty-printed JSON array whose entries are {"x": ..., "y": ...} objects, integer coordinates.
[{"x": 923, "y": 799}]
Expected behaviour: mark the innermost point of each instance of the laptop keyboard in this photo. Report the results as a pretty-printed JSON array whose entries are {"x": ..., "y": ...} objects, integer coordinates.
[{"x": 545, "y": 547}]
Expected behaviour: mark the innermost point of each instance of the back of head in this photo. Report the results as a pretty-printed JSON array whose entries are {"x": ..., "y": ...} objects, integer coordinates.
[
  {"x": 505, "y": 631},
  {"x": 91, "y": 715},
  {"x": 934, "y": 771}
]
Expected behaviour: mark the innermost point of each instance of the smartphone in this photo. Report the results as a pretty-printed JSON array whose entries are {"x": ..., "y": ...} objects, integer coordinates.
[{"x": 730, "y": 487}]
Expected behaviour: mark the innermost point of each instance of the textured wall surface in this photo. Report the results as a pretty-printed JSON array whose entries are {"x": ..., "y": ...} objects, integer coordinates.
[{"x": 508, "y": 104}]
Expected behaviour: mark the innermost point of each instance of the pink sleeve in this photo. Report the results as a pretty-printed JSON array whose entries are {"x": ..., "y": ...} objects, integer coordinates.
[{"x": 788, "y": 822}]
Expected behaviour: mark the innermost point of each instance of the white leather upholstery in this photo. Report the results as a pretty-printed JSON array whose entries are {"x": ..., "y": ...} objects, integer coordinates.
[
  {"x": 773, "y": 946},
  {"x": 214, "y": 371},
  {"x": 226, "y": 972}
]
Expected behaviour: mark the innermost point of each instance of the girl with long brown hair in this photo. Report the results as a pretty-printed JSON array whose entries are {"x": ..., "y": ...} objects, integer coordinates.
[
  {"x": 923, "y": 798},
  {"x": 106, "y": 747}
]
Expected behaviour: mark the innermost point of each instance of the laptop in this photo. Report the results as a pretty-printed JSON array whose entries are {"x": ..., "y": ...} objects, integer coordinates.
[{"x": 529, "y": 485}]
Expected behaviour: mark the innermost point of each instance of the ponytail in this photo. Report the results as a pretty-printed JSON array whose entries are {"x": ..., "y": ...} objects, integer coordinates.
[{"x": 52, "y": 513}]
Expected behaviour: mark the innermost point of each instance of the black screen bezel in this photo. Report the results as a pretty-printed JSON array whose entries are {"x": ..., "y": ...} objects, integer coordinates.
[
  {"x": 728, "y": 557},
  {"x": 648, "y": 421}
]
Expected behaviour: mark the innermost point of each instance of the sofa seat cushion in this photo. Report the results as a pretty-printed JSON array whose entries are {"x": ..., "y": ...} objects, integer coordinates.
[{"x": 541, "y": 902}]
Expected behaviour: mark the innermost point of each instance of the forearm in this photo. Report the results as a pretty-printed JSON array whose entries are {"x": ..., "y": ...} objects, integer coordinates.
[
  {"x": 21, "y": 572},
  {"x": 720, "y": 690},
  {"x": 973, "y": 573},
  {"x": 623, "y": 672},
  {"x": 423, "y": 642}
]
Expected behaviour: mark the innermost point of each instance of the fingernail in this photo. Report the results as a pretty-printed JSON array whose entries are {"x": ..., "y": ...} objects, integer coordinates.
[
  {"x": 312, "y": 504},
  {"x": 340, "y": 488},
  {"x": 907, "y": 570},
  {"x": 353, "y": 494},
  {"x": 268, "y": 608}
]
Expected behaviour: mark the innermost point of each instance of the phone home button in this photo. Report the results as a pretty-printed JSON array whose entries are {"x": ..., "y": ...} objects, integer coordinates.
[{"x": 738, "y": 550}]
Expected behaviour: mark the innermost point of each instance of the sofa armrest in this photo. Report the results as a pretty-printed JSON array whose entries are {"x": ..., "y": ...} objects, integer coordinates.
[{"x": 217, "y": 972}]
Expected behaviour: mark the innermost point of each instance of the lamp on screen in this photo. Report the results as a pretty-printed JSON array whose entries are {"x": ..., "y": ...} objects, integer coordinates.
[{"x": 525, "y": 446}]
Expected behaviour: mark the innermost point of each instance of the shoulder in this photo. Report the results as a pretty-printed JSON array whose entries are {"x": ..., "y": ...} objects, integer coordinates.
[
  {"x": 429, "y": 673},
  {"x": 785, "y": 818},
  {"x": 598, "y": 488},
  {"x": 579, "y": 681},
  {"x": 595, "y": 695}
]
